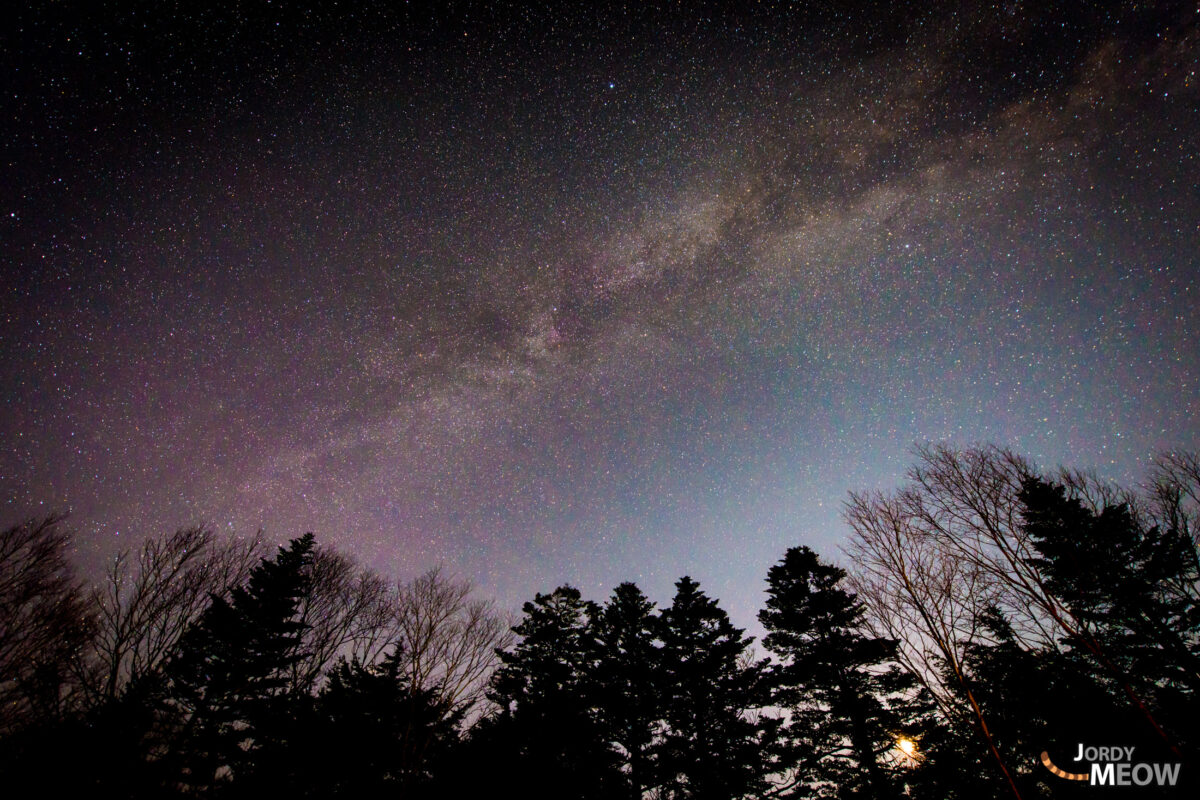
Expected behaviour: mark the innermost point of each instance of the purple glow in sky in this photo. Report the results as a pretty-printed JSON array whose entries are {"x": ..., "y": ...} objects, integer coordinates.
[{"x": 583, "y": 297}]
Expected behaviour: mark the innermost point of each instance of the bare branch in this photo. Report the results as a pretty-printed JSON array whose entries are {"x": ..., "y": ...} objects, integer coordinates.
[
  {"x": 44, "y": 621},
  {"x": 448, "y": 638},
  {"x": 146, "y": 601},
  {"x": 349, "y": 611}
]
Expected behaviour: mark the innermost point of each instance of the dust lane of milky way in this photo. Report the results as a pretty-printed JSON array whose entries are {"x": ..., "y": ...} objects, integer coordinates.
[{"x": 583, "y": 297}]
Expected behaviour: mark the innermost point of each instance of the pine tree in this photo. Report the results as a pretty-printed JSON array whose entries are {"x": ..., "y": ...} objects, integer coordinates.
[
  {"x": 1131, "y": 594},
  {"x": 550, "y": 731},
  {"x": 229, "y": 680},
  {"x": 370, "y": 732},
  {"x": 849, "y": 703},
  {"x": 1132, "y": 587},
  {"x": 629, "y": 682},
  {"x": 1034, "y": 699},
  {"x": 713, "y": 746}
]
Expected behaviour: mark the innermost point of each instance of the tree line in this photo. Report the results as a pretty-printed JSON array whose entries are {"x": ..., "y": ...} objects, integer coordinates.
[{"x": 991, "y": 612}]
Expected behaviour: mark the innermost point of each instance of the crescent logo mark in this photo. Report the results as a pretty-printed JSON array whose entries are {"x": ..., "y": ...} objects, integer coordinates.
[{"x": 1071, "y": 776}]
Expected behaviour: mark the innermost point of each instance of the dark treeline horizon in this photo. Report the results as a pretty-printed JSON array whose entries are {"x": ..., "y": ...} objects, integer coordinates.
[{"x": 992, "y": 618}]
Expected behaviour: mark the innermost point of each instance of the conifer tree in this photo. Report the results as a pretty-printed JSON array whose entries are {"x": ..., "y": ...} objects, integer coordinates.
[
  {"x": 849, "y": 703},
  {"x": 229, "y": 680},
  {"x": 1131, "y": 593},
  {"x": 630, "y": 686},
  {"x": 550, "y": 729},
  {"x": 713, "y": 745},
  {"x": 371, "y": 732}
]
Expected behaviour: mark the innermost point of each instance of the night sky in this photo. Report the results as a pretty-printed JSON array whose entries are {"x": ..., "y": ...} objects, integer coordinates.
[{"x": 582, "y": 296}]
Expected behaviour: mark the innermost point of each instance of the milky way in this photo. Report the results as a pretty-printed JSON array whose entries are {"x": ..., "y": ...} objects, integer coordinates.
[{"x": 583, "y": 297}]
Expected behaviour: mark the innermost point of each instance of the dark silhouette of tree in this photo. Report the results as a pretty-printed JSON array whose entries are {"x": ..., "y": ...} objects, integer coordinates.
[
  {"x": 1130, "y": 589},
  {"x": 105, "y": 749},
  {"x": 933, "y": 557},
  {"x": 1020, "y": 597},
  {"x": 850, "y": 704},
  {"x": 230, "y": 680},
  {"x": 1038, "y": 612},
  {"x": 149, "y": 598},
  {"x": 630, "y": 687},
  {"x": 713, "y": 745},
  {"x": 209, "y": 674},
  {"x": 1174, "y": 495},
  {"x": 1035, "y": 699},
  {"x": 550, "y": 731},
  {"x": 346, "y": 610},
  {"x": 620, "y": 702},
  {"x": 449, "y": 639},
  {"x": 45, "y": 623},
  {"x": 367, "y": 732}
]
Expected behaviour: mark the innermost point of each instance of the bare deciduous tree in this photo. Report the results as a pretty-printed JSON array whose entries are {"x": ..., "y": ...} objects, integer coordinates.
[
  {"x": 953, "y": 541},
  {"x": 149, "y": 598},
  {"x": 1174, "y": 492},
  {"x": 449, "y": 640},
  {"x": 349, "y": 611},
  {"x": 919, "y": 594},
  {"x": 44, "y": 620},
  {"x": 940, "y": 551}
]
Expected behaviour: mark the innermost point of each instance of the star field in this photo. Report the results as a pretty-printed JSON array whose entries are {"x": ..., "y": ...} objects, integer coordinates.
[{"x": 583, "y": 296}]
